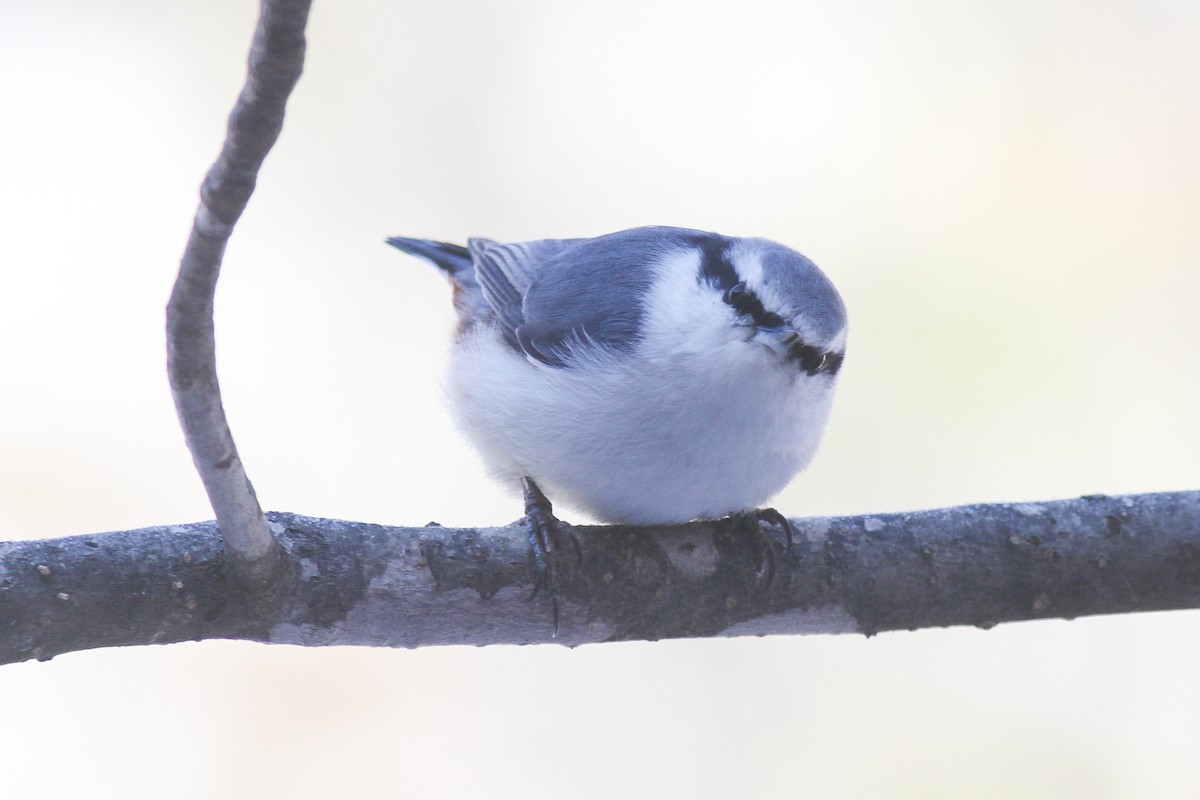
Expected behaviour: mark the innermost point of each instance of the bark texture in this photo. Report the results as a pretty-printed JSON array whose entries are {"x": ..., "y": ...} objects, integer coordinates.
[{"x": 356, "y": 583}]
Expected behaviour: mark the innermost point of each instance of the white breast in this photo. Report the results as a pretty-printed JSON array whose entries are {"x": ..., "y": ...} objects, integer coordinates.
[{"x": 696, "y": 423}]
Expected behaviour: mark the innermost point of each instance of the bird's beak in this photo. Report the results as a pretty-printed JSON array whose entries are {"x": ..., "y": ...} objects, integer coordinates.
[
  {"x": 790, "y": 347},
  {"x": 778, "y": 340}
]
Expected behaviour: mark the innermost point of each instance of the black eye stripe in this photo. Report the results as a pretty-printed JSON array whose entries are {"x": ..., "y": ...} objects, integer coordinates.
[
  {"x": 814, "y": 361},
  {"x": 720, "y": 274},
  {"x": 745, "y": 301}
]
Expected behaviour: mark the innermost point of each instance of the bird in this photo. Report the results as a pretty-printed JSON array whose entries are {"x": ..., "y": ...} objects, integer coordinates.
[{"x": 651, "y": 376}]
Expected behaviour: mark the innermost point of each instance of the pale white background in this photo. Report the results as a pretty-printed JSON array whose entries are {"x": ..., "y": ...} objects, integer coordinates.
[{"x": 1007, "y": 194}]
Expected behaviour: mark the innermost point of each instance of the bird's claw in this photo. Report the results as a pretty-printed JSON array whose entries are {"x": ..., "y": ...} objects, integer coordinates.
[
  {"x": 773, "y": 517},
  {"x": 751, "y": 524},
  {"x": 545, "y": 536}
]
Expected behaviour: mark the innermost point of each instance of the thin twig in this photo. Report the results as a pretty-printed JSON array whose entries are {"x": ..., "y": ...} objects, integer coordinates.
[
  {"x": 355, "y": 583},
  {"x": 276, "y": 60}
]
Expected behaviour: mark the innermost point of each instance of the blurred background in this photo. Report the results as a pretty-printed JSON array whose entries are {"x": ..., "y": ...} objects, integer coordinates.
[{"x": 1007, "y": 195}]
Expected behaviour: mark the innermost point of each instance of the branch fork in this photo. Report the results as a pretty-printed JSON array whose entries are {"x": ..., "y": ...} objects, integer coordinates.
[{"x": 276, "y": 61}]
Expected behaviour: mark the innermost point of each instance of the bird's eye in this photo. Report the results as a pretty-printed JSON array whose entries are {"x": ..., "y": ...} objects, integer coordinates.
[
  {"x": 744, "y": 301},
  {"x": 813, "y": 361}
]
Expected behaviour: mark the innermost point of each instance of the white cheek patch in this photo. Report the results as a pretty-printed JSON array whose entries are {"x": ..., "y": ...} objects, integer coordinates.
[{"x": 684, "y": 314}]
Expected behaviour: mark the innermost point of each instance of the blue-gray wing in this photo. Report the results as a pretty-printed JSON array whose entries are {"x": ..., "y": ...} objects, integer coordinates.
[
  {"x": 505, "y": 273},
  {"x": 556, "y": 298}
]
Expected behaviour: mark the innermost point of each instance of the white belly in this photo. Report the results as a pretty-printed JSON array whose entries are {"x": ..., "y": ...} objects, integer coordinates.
[{"x": 629, "y": 440}]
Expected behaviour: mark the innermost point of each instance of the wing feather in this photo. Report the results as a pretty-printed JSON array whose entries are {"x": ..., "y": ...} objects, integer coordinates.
[{"x": 557, "y": 297}]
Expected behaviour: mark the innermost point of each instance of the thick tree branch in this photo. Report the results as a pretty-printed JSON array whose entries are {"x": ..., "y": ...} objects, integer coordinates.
[
  {"x": 276, "y": 59},
  {"x": 354, "y": 583}
]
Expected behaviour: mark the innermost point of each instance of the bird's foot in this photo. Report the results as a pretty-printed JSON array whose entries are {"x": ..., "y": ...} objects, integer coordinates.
[
  {"x": 750, "y": 524},
  {"x": 545, "y": 539},
  {"x": 772, "y": 517}
]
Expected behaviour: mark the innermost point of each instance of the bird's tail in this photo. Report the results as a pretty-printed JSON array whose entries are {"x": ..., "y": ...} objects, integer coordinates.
[
  {"x": 455, "y": 261},
  {"x": 452, "y": 259}
]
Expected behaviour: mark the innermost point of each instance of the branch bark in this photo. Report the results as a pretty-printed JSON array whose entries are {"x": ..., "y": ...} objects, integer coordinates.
[
  {"x": 276, "y": 60},
  {"x": 356, "y": 583}
]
